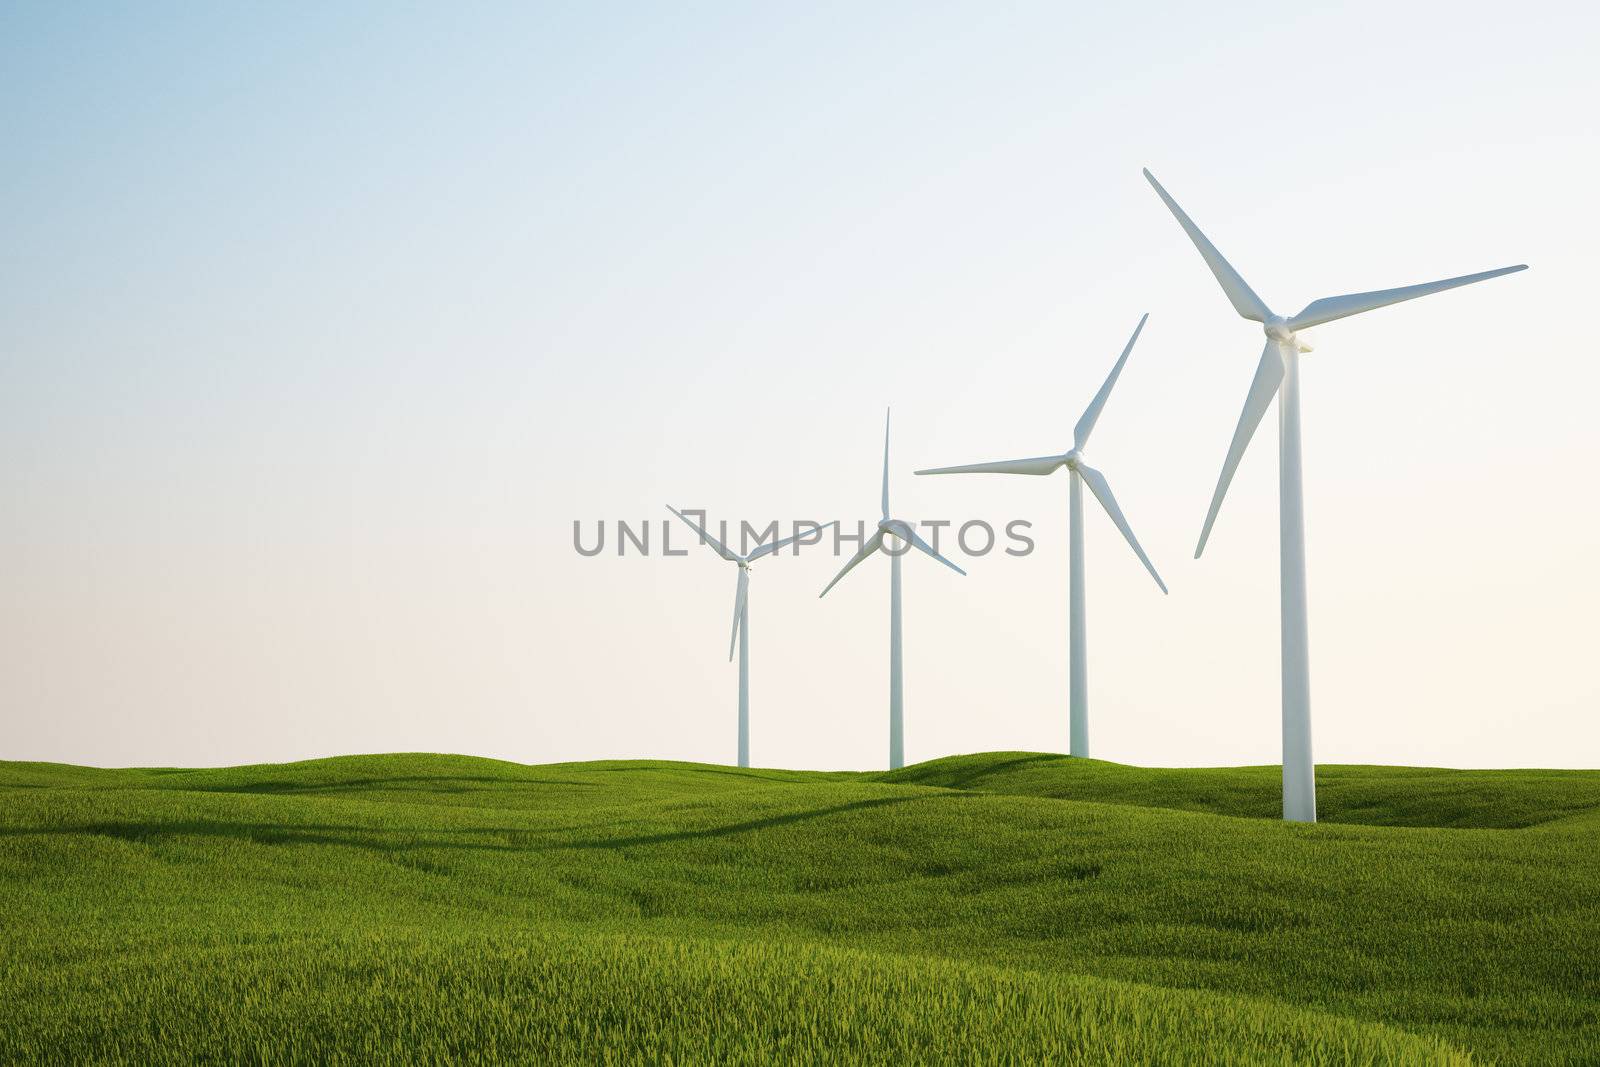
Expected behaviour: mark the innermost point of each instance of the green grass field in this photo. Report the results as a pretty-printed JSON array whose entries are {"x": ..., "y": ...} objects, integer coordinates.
[{"x": 1007, "y": 907}]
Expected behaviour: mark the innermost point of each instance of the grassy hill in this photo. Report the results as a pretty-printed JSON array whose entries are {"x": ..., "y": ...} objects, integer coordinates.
[{"x": 1008, "y": 907}]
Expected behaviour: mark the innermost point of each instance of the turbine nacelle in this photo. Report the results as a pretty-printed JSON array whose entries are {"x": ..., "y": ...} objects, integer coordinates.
[
  {"x": 902, "y": 531},
  {"x": 1277, "y": 329}
]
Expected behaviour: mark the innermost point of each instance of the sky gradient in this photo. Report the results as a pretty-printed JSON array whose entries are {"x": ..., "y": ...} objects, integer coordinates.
[{"x": 318, "y": 329}]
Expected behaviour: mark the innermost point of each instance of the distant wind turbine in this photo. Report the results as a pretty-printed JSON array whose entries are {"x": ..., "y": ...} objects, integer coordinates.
[
  {"x": 901, "y": 531},
  {"x": 1078, "y": 677},
  {"x": 1280, "y": 368},
  {"x": 740, "y": 637}
]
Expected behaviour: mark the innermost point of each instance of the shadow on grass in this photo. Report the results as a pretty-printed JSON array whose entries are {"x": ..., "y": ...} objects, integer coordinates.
[
  {"x": 745, "y": 827},
  {"x": 363, "y": 837},
  {"x": 730, "y": 771},
  {"x": 412, "y": 783},
  {"x": 392, "y": 839},
  {"x": 929, "y": 776}
]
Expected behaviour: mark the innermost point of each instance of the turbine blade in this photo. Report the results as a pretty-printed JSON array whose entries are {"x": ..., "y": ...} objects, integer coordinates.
[
  {"x": 1244, "y": 299},
  {"x": 762, "y": 550},
  {"x": 1102, "y": 492},
  {"x": 712, "y": 541},
  {"x": 904, "y": 530},
  {"x": 873, "y": 544},
  {"x": 1091, "y": 415},
  {"x": 1269, "y": 375},
  {"x": 886, "y": 413},
  {"x": 1036, "y": 465},
  {"x": 738, "y": 609},
  {"x": 1337, "y": 307}
]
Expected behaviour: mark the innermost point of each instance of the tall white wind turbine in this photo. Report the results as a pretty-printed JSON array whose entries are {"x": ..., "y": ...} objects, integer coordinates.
[
  {"x": 1081, "y": 472},
  {"x": 903, "y": 533},
  {"x": 740, "y": 637},
  {"x": 1279, "y": 369}
]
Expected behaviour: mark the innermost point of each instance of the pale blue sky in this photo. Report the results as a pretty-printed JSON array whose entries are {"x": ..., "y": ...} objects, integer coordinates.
[{"x": 319, "y": 327}]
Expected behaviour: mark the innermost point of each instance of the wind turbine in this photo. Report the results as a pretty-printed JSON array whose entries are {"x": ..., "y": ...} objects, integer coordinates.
[
  {"x": 900, "y": 531},
  {"x": 740, "y": 637},
  {"x": 1078, "y": 673},
  {"x": 1280, "y": 369}
]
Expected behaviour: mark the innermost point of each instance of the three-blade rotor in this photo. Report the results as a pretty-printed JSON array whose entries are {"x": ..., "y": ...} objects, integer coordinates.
[
  {"x": 888, "y": 527},
  {"x": 741, "y": 595},
  {"x": 1282, "y": 342},
  {"x": 1073, "y": 460}
]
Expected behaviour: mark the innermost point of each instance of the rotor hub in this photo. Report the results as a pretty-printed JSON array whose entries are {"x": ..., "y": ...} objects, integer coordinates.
[
  {"x": 1278, "y": 329},
  {"x": 1073, "y": 459}
]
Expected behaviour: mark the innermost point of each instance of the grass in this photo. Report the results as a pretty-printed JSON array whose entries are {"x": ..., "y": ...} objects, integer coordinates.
[{"x": 1007, "y": 907}]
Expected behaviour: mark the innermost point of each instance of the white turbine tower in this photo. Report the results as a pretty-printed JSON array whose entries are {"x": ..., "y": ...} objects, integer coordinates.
[
  {"x": 1078, "y": 677},
  {"x": 741, "y": 615},
  {"x": 1280, "y": 368},
  {"x": 900, "y": 531}
]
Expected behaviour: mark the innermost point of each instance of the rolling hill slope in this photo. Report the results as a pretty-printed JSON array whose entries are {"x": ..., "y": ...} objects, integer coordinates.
[
  {"x": 980, "y": 907},
  {"x": 1368, "y": 796}
]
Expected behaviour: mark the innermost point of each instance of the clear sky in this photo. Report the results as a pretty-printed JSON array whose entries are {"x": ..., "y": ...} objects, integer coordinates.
[{"x": 320, "y": 326}]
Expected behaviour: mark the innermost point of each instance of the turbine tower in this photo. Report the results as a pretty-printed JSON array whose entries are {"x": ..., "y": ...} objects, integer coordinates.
[
  {"x": 900, "y": 531},
  {"x": 1078, "y": 673},
  {"x": 740, "y": 637},
  {"x": 1280, "y": 369}
]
